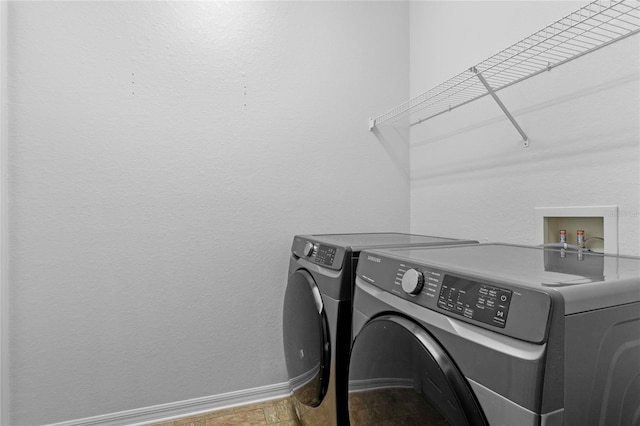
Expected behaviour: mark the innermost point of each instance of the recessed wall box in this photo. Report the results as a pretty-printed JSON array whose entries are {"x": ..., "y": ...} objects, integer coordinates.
[{"x": 599, "y": 223}]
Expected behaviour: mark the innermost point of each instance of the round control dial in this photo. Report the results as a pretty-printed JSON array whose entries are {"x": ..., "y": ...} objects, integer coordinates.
[
  {"x": 412, "y": 281},
  {"x": 308, "y": 249}
]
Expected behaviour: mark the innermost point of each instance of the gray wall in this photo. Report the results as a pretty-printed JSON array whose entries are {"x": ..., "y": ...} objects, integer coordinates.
[{"x": 161, "y": 158}]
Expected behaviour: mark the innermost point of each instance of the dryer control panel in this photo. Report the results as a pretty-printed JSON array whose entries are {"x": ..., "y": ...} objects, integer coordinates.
[
  {"x": 502, "y": 307},
  {"x": 485, "y": 303}
]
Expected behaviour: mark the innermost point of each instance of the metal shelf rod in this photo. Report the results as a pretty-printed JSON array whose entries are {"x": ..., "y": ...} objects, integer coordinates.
[
  {"x": 592, "y": 27},
  {"x": 502, "y": 106}
]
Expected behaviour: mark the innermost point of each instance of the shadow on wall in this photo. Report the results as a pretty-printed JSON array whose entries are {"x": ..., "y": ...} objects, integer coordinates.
[
  {"x": 521, "y": 163},
  {"x": 557, "y": 101},
  {"x": 395, "y": 140},
  {"x": 558, "y": 137}
]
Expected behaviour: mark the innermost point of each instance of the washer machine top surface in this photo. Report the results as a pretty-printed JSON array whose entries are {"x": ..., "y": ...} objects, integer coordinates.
[
  {"x": 360, "y": 241},
  {"x": 331, "y": 250},
  {"x": 586, "y": 280}
]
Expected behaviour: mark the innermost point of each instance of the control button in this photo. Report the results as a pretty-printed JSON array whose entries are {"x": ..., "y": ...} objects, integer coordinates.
[
  {"x": 412, "y": 281},
  {"x": 308, "y": 249}
]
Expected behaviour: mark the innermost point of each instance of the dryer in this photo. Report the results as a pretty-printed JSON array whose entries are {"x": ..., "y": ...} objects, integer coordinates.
[
  {"x": 495, "y": 334},
  {"x": 317, "y": 317}
]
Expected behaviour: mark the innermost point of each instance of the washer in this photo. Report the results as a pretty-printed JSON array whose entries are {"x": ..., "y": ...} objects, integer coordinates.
[
  {"x": 495, "y": 334},
  {"x": 317, "y": 317}
]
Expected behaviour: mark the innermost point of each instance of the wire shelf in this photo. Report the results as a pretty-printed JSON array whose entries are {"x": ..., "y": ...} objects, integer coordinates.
[{"x": 591, "y": 27}]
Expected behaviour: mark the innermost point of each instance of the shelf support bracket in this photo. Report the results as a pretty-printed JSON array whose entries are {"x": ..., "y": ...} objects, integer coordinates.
[{"x": 504, "y": 109}]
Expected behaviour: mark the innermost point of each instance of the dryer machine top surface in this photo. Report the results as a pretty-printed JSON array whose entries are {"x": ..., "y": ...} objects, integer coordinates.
[{"x": 586, "y": 280}]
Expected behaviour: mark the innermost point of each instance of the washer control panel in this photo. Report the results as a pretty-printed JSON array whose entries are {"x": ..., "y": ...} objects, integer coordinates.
[
  {"x": 324, "y": 255},
  {"x": 318, "y": 253}
]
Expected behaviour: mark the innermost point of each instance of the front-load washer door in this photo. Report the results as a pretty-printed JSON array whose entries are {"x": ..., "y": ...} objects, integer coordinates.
[
  {"x": 400, "y": 375},
  {"x": 307, "y": 347}
]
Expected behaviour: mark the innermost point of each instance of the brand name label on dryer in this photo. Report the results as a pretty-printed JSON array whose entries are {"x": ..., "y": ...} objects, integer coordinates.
[{"x": 374, "y": 259}]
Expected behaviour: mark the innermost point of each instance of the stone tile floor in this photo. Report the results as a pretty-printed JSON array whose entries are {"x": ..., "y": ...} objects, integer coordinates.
[{"x": 278, "y": 412}]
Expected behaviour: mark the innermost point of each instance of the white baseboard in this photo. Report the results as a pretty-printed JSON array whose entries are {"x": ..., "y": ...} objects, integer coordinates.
[{"x": 176, "y": 410}]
